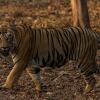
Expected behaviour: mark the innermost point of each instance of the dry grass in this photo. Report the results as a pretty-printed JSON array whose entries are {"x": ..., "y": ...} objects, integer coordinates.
[{"x": 64, "y": 83}]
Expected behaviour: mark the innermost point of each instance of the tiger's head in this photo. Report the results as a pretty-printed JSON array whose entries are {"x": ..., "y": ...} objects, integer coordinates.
[{"x": 7, "y": 41}]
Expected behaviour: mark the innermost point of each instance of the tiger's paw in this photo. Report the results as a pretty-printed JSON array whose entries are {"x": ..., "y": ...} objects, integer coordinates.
[
  {"x": 5, "y": 87},
  {"x": 38, "y": 88},
  {"x": 41, "y": 88},
  {"x": 88, "y": 88}
]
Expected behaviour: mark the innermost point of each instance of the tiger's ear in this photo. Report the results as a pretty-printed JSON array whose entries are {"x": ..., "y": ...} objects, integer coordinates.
[
  {"x": 1, "y": 34},
  {"x": 12, "y": 25},
  {"x": 8, "y": 34}
]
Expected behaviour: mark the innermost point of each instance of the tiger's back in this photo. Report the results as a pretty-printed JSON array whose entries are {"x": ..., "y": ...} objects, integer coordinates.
[{"x": 53, "y": 47}]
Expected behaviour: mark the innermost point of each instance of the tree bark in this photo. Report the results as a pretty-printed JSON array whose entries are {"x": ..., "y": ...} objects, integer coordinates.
[{"x": 80, "y": 13}]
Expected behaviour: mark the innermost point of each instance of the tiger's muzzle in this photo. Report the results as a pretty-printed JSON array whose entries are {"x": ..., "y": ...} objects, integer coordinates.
[{"x": 5, "y": 51}]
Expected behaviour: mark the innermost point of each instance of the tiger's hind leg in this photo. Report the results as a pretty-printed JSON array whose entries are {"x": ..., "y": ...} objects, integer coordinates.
[
  {"x": 90, "y": 83},
  {"x": 88, "y": 69},
  {"x": 34, "y": 73}
]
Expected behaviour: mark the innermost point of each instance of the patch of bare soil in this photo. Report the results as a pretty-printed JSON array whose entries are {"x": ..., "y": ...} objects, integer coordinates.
[{"x": 63, "y": 83}]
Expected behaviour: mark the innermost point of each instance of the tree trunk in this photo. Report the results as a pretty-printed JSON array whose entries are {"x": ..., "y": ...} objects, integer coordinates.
[{"x": 80, "y": 13}]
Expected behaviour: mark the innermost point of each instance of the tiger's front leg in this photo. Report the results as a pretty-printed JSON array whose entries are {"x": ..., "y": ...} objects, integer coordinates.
[
  {"x": 14, "y": 75},
  {"x": 34, "y": 73}
]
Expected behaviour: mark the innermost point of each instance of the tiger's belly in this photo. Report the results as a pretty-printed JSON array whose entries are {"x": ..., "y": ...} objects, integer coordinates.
[{"x": 49, "y": 62}]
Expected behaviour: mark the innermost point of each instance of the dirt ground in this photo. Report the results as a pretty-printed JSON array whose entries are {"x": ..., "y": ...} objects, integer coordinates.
[{"x": 64, "y": 83}]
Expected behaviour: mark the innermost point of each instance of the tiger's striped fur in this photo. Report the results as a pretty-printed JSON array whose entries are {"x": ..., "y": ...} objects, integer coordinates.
[{"x": 52, "y": 47}]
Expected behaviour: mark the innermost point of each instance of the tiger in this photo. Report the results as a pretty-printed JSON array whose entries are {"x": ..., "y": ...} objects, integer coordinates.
[{"x": 34, "y": 48}]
